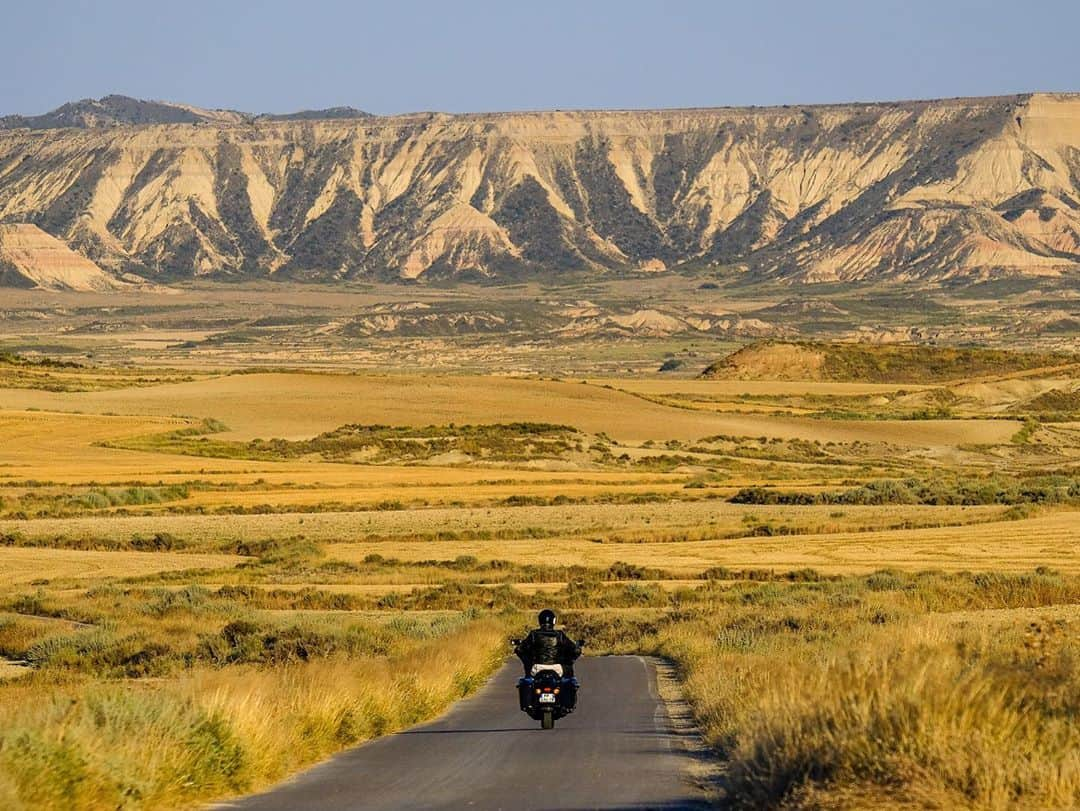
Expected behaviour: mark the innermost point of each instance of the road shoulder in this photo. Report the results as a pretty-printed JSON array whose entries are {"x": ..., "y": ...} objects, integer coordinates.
[{"x": 705, "y": 767}]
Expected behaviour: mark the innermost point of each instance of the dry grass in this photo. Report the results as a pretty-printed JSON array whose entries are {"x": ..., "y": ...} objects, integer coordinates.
[
  {"x": 215, "y": 733},
  {"x": 869, "y": 692},
  {"x": 929, "y": 726},
  {"x": 11, "y": 670},
  {"x": 992, "y": 617},
  {"x": 27, "y": 565}
]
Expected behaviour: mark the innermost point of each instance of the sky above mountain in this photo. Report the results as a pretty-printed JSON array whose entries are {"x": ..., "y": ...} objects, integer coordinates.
[{"x": 482, "y": 55}]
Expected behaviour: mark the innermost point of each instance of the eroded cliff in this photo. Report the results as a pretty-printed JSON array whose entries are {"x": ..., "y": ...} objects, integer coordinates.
[{"x": 961, "y": 188}]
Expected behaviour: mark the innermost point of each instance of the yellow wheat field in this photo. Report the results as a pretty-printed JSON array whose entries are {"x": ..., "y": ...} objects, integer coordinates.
[
  {"x": 1052, "y": 540},
  {"x": 22, "y": 566},
  {"x": 605, "y": 522}
]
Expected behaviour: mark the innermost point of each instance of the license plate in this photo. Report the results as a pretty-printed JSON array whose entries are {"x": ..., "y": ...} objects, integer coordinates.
[{"x": 547, "y": 698}]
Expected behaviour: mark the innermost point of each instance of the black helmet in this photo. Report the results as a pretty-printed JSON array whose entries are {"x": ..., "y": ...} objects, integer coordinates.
[{"x": 547, "y": 619}]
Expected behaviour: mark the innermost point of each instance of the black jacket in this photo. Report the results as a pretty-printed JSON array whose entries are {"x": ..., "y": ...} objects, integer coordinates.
[{"x": 542, "y": 647}]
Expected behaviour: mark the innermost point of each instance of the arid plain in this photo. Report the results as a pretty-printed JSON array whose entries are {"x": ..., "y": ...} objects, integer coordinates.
[{"x": 255, "y": 563}]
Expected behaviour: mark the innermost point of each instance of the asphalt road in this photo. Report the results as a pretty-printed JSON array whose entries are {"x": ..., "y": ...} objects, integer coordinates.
[{"x": 617, "y": 751}]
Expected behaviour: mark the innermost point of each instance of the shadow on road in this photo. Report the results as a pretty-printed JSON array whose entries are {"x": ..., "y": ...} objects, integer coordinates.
[
  {"x": 643, "y": 733},
  {"x": 462, "y": 731},
  {"x": 676, "y": 805}
]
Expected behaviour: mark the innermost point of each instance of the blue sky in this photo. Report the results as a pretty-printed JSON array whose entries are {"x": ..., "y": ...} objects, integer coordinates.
[{"x": 476, "y": 56}]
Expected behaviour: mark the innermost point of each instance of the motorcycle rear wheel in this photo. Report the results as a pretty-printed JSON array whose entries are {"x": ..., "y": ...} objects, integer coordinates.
[{"x": 548, "y": 721}]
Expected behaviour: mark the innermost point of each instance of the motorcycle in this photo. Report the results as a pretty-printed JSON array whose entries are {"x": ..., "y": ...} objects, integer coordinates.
[{"x": 547, "y": 694}]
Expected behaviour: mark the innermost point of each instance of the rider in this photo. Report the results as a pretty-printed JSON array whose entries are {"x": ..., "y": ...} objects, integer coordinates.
[{"x": 547, "y": 646}]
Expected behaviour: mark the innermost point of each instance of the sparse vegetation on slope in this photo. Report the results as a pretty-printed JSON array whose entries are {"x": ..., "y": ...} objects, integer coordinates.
[
  {"x": 375, "y": 444},
  {"x": 873, "y": 363}
]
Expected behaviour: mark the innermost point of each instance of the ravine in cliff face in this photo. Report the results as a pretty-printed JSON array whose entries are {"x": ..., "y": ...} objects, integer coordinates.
[{"x": 965, "y": 189}]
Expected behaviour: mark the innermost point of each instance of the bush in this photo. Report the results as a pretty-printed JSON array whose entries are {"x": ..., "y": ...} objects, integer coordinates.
[
  {"x": 938, "y": 492},
  {"x": 101, "y": 653},
  {"x": 158, "y": 542}
]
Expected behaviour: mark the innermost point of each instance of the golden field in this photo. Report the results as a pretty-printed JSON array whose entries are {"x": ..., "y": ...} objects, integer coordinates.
[
  {"x": 186, "y": 549},
  {"x": 667, "y": 521},
  {"x": 308, "y": 403},
  {"x": 1049, "y": 541},
  {"x": 23, "y": 567}
]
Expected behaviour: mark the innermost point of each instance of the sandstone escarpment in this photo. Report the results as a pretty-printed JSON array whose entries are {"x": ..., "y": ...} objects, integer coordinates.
[
  {"x": 31, "y": 258},
  {"x": 919, "y": 190}
]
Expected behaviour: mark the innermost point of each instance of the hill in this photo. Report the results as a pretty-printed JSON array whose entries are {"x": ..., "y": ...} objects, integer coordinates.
[
  {"x": 31, "y": 258},
  {"x": 965, "y": 189},
  {"x": 876, "y": 363},
  {"x": 114, "y": 111}
]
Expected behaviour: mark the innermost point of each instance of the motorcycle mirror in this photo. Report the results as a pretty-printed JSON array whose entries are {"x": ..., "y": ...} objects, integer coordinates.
[{"x": 581, "y": 643}]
